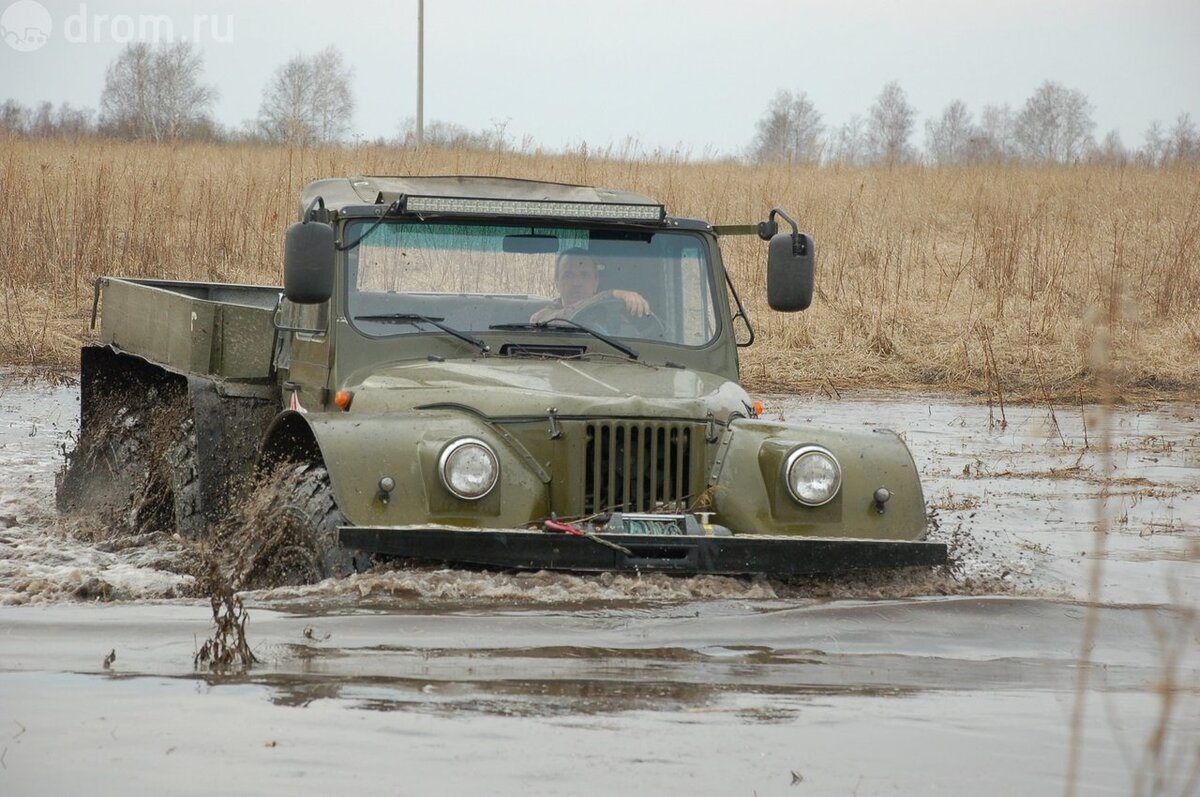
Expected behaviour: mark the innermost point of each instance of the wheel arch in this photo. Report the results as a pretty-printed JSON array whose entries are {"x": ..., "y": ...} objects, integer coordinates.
[
  {"x": 228, "y": 419},
  {"x": 289, "y": 438},
  {"x": 105, "y": 372}
]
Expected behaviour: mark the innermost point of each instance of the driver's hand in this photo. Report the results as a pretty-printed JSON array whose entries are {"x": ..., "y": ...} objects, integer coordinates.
[{"x": 635, "y": 303}]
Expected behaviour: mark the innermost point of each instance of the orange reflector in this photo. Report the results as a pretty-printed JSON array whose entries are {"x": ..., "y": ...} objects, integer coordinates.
[
  {"x": 343, "y": 398},
  {"x": 758, "y": 408}
]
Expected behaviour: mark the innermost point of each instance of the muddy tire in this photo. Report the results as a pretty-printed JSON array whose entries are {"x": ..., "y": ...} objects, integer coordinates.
[
  {"x": 114, "y": 479},
  {"x": 185, "y": 484},
  {"x": 292, "y": 529}
]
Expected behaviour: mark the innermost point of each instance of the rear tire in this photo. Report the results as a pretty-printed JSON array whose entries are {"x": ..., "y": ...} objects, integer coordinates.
[
  {"x": 185, "y": 484},
  {"x": 112, "y": 482}
]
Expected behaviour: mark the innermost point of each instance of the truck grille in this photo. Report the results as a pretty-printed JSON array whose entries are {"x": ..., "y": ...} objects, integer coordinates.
[{"x": 637, "y": 467}]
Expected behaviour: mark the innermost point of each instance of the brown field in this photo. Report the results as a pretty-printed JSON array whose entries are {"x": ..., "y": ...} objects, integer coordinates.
[{"x": 1011, "y": 282}]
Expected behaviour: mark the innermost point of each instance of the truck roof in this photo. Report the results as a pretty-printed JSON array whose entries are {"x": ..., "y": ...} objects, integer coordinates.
[{"x": 341, "y": 192}]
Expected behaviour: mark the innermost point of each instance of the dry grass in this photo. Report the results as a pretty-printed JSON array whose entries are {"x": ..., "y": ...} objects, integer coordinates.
[{"x": 988, "y": 280}]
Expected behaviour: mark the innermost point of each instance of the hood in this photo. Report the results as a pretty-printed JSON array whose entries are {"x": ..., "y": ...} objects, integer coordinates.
[{"x": 514, "y": 387}]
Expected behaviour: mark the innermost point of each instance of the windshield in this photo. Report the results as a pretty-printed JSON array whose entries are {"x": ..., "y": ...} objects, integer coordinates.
[{"x": 477, "y": 277}]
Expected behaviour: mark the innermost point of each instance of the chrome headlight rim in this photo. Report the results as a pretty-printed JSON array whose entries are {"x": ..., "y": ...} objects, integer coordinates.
[
  {"x": 444, "y": 462},
  {"x": 795, "y": 457}
]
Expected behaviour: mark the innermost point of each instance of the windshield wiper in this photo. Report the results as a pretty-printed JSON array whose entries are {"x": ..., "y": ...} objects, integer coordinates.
[
  {"x": 621, "y": 347},
  {"x": 413, "y": 318}
]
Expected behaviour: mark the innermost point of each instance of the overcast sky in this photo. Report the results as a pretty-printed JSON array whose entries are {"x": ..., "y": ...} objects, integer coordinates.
[{"x": 697, "y": 73}]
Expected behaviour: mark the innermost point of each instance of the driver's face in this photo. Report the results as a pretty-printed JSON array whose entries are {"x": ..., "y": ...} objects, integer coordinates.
[{"x": 577, "y": 279}]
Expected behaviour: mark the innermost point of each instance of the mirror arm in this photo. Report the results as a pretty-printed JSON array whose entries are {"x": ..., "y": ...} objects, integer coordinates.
[
  {"x": 316, "y": 211},
  {"x": 771, "y": 226}
]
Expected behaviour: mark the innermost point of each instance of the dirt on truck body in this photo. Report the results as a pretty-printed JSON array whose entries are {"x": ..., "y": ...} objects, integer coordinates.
[{"x": 481, "y": 371}]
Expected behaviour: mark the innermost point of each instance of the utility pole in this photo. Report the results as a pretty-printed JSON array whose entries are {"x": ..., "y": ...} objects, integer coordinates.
[{"x": 420, "y": 72}]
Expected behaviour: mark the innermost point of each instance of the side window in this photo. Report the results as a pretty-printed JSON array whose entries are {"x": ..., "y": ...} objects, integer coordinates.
[{"x": 698, "y": 321}]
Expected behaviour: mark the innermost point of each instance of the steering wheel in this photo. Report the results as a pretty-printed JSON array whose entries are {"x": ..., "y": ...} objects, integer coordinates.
[{"x": 609, "y": 314}]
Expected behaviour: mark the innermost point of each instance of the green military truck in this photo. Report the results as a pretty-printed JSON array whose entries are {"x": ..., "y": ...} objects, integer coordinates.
[{"x": 486, "y": 372}]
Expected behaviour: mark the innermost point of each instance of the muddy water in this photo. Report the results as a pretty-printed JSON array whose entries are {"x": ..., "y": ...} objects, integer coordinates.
[{"x": 423, "y": 681}]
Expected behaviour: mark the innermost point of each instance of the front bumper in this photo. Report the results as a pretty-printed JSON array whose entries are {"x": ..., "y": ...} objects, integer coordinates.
[{"x": 520, "y": 549}]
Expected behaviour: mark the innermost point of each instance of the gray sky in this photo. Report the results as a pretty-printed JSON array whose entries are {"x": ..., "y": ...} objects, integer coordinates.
[{"x": 697, "y": 74}]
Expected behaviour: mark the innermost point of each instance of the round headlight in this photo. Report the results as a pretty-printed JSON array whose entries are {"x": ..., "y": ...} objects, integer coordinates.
[
  {"x": 468, "y": 468},
  {"x": 813, "y": 475}
]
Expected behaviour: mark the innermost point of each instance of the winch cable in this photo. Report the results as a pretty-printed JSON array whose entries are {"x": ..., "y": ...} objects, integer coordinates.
[{"x": 550, "y": 524}]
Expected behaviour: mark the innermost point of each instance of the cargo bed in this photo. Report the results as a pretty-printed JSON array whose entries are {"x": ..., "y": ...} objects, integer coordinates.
[{"x": 204, "y": 328}]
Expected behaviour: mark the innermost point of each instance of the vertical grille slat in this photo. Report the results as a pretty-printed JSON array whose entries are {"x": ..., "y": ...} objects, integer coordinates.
[
  {"x": 654, "y": 434},
  {"x": 683, "y": 465},
  {"x": 611, "y": 460},
  {"x": 626, "y": 473},
  {"x": 637, "y": 466},
  {"x": 667, "y": 472}
]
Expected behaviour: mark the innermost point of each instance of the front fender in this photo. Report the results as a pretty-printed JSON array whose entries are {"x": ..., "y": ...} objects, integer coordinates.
[
  {"x": 749, "y": 495},
  {"x": 359, "y": 450}
]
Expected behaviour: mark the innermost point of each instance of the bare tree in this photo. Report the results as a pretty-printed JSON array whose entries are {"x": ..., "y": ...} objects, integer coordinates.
[
  {"x": 41, "y": 123},
  {"x": 46, "y": 121},
  {"x": 14, "y": 117},
  {"x": 308, "y": 100},
  {"x": 286, "y": 111},
  {"x": 948, "y": 140},
  {"x": 70, "y": 122},
  {"x": 1111, "y": 149},
  {"x": 446, "y": 135},
  {"x": 333, "y": 98},
  {"x": 849, "y": 144},
  {"x": 1156, "y": 147},
  {"x": 995, "y": 140},
  {"x": 890, "y": 124},
  {"x": 790, "y": 131},
  {"x": 1184, "y": 143},
  {"x": 155, "y": 93},
  {"x": 1055, "y": 126}
]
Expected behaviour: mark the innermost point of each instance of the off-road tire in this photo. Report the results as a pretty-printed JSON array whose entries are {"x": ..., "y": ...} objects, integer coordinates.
[
  {"x": 294, "y": 525},
  {"x": 185, "y": 484},
  {"x": 112, "y": 478}
]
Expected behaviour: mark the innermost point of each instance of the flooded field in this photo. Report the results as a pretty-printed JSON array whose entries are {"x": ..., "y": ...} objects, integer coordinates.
[{"x": 439, "y": 681}]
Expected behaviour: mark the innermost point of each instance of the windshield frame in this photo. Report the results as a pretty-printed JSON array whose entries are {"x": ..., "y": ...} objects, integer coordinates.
[{"x": 354, "y": 227}]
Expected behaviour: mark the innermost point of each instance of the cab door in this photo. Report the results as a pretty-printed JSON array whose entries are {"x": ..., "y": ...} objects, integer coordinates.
[{"x": 303, "y": 354}]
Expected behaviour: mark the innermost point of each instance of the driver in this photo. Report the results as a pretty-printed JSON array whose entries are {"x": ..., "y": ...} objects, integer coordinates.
[{"x": 576, "y": 277}]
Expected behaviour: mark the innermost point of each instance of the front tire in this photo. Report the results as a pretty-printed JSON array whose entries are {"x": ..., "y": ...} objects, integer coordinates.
[{"x": 292, "y": 529}]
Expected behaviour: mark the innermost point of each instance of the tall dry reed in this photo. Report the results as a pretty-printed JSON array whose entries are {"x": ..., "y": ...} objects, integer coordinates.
[{"x": 977, "y": 279}]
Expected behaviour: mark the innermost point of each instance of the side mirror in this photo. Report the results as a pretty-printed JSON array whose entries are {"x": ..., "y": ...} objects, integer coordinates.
[
  {"x": 308, "y": 253},
  {"x": 790, "y": 272}
]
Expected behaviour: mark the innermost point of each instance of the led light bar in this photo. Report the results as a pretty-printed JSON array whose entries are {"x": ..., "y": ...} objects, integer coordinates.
[{"x": 533, "y": 207}]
